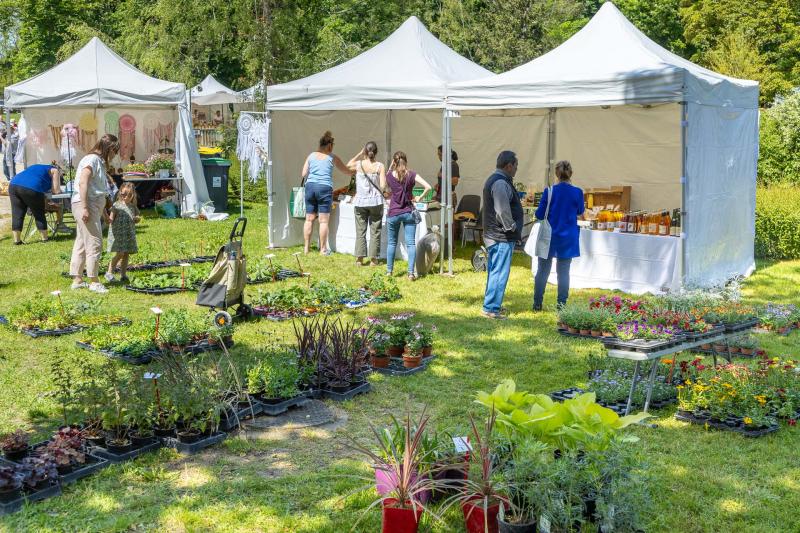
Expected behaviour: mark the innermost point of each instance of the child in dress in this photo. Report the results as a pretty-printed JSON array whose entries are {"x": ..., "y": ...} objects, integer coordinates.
[{"x": 122, "y": 232}]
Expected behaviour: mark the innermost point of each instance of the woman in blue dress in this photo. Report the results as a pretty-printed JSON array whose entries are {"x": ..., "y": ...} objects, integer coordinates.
[{"x": 566, "y": 205}]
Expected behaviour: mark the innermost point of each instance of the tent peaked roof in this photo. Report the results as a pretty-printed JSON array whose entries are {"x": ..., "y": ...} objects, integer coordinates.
[
  {"x": 410, "y": 69},
  {"x": 94, "y": 75},
  {"x": 210, "y": 91},
  {"x": 611, "y": 62}
]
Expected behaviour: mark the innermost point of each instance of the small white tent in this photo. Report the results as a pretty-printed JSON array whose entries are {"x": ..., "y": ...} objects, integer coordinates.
[
  {"x": 625, "y": 111},
  {"x": 92, "y": 89},
  {"x": 211, "y": 92},
  {"x": 394, "y": 94}
]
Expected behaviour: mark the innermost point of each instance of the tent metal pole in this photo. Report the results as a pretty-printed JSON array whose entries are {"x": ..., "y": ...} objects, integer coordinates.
[
  {"x": 551, "y": 144},
  {"x": 270, "y": 201},
  {"x": 8, "y": 137},
  {"x": 684, "y": 227},
  {"x": 449, "y": 191},
  {"x": 441, "y": 195}
]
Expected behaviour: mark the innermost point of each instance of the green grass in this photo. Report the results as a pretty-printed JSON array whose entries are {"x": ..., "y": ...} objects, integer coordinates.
[{"x": 300, "y": 481}]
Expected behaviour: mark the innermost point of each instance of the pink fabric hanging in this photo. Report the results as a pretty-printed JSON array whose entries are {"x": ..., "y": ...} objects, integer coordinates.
[{"x": 127, "y": 137}]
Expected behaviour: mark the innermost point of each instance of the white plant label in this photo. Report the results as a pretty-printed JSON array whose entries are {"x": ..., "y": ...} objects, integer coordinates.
[
  {"x": 185, "y": 264},
  {"x": 156, "y": 310},
  {"x": 462, "y": 444},
  {"x": 56, "y": 293},
  {"x": 151, "y": 375},
  {"x": 269, "y": 256}
]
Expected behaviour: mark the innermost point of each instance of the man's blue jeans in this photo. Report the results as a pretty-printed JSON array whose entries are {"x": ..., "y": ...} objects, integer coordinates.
[
  {"x": 540, "y": 281},
  {"x": 410, "y": 230},
  {"x": 498, "y": 269}
]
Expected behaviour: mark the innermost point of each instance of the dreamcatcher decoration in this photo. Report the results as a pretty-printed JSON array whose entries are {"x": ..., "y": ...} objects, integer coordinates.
[
  {"x": 111, "y": 120},
  {"x": 55, "y": 135},
  {"x": 70, "y": 140},
  {"x": 252, "y": 143},
  {"x": 158, "y": 136},
  {"x": 127, "y": 137},
  {"x": 88, "y": 131}
]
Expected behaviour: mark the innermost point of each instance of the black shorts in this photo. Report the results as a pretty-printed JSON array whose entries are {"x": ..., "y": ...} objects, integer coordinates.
[{"x": 23, "y": 199}]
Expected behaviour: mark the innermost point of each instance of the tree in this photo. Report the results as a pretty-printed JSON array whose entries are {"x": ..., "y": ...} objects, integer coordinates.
[{"x": 779, "y": 157}]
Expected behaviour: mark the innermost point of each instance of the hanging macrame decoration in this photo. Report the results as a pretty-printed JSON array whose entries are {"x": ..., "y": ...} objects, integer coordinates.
[
  {"x": 111, "y": 120},
  {"x": 252, "y": 143},
  {"x": 55, "y": 135},
  {"x": 70, "y": 140},
  {"x": 88, "y": 131},
  {"x": 127, "y": 137},
  {"x": 157, "y": 136}
]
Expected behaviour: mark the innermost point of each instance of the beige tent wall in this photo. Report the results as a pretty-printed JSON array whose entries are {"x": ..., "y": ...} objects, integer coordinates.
[
  {"x": 625, "y": 145},
  {"x": 40, "y": 146},
  {"x": 294, "y": 135},
  {"x": 479, "y": 136}
]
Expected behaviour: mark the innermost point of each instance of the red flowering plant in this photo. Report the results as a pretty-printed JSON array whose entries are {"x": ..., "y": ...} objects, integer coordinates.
[{"x": 630, "y": 309}]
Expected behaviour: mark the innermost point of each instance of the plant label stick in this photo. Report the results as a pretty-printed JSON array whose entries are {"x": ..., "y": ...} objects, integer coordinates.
[
  {"x": 57, "y": 294},
  {"x": 183, "y": 275},
  {"x": 156, "y": 311},
  {"x": 297, "y": 256},
  {"x": 462, "y": 445}
]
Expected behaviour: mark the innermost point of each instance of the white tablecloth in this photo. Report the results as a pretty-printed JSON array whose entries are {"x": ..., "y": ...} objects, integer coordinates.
[
  {"x": 629, "y": 262},
  {"x": 342, "y": 230}
]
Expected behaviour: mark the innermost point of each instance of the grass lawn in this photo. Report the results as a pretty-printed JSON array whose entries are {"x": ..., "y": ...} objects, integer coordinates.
[{"x": 297, "y": 482}]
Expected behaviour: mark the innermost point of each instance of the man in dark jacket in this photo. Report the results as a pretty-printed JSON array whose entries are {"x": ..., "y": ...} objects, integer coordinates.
[{"x": 502, "y": 228}]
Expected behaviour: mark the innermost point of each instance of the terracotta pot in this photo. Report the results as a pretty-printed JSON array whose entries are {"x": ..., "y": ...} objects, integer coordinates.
[
  {"x": 412, "y": 361},
  {"x": 747, "y": 351},
  {"x": 784, "y": 330},
  {"x": 705, "y": 346},
  {"x": 379, "y": 362},
  {"x": 585, "y": 332},
  {"x": 400, "y": 520},
  {"x": 394, "y": 351},
  {"x": 596, "y": 333},
  {"x": 426, "y": 351},
  {"x": 734, "y": 349},
  {"x": 607, "y": 334},
  {"x": 719, "y": 347},
  {"x": 479, "y": 520},
  {"x": 572, "y": 330}
]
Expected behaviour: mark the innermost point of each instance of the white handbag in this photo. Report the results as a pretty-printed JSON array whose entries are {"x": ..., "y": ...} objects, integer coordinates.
[{"x": 538, "y": 244}]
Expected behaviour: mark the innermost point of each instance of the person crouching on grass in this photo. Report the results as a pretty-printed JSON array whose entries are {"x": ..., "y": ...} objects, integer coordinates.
[{"x": 122, "y": 231}]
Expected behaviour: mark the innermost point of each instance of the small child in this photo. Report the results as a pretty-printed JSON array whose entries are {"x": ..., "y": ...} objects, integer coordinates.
[{"x": 122, "y": 232}]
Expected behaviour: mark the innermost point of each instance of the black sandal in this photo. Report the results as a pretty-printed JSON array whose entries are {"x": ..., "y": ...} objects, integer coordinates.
[{"x": 19, "y": 243}]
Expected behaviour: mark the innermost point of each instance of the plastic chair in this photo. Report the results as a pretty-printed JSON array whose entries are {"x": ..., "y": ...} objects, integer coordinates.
[{"x": 470, "y": 204}]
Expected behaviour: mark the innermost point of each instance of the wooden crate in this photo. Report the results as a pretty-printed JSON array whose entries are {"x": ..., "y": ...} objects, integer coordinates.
[{"x": 619, "y": 195}]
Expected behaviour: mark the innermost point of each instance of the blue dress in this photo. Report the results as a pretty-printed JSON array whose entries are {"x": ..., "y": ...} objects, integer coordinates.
[{"x": 567, "y": 205}]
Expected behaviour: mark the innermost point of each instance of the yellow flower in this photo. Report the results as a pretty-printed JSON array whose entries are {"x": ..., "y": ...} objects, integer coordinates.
[
  {"x": 748, "y": 420},
  {"x": 727, "y": 385},
  {"x": 679, "y": 387},
  {"x": 667, "y": 361}
]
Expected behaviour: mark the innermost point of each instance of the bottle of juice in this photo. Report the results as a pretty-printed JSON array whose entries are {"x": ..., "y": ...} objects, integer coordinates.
[
  {"x": 601, "y": 220},
  {"x": 664, "y": 223}
]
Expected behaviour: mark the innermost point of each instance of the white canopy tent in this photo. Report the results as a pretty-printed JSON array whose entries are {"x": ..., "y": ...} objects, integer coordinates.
[
  {"x": 93, "y": 87},
  {"x": 393, "y": 94},
  {"x": 625, "y": 111},
  {"x": 211, "y": 92}
]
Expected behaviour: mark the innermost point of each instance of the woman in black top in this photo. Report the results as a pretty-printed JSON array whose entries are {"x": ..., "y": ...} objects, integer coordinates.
[{"x": 455, "y": 175}]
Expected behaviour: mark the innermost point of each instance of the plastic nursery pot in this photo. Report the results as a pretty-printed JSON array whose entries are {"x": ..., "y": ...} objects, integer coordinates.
[
  {"x": 17, "y": 455},
  {"x": 412, "y": 361},
  {"x": 572, "y": 330},
  {"x": 427, "y": 351},
  {"x": 379, "y": 362},
  {"x": 596, "y": 333},
  {"x": 118, "y": 447},
  {"x": 164, "y": 432},
  {"x": 507, "y": 527},
  {"x": 339, "y": 387},
  {"x": 478, "y": 519},
  {"x": 11, "y": 495},
  {"x": 585, "y": 332},
  {"x": 190, "y": 436},
  {"x": 138, "y": 440},
  {"x": 398, "y": 519}
]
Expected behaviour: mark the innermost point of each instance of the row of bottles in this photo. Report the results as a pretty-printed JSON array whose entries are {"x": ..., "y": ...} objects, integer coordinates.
[{"x": 661, "y": 223}]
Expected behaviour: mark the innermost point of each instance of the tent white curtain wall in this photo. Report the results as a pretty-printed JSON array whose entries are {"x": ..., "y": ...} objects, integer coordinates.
[{"x": 96, "y": 80}]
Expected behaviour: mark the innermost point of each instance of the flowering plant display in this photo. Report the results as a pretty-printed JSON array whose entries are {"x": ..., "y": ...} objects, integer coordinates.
[
  {"x": 158, "y": 162},
  {"x": 777, "y": 317},
  {"x": 641, "y": 330}
]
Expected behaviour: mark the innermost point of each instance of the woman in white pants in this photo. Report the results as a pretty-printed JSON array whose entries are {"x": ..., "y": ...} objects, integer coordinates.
[{"x": 88, "y": 204}]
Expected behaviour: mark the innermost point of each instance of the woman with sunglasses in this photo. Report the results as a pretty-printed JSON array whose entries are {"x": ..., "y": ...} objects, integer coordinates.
[{"x": 317, "y": 174}]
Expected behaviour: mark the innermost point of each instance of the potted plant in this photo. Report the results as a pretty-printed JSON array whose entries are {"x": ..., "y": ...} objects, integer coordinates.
[
  {"x": 38, "y": 472},
  {"x": 114, "y": 416},
  {"x": 378, "y": 356},
  {"x": 412, "y": 354},
  {"x": 65, "y": 456},
  {"x": 481, "y": 496},
  {"x": 10, "y": 483},
  {"x": 397, "y": 331},
  {"x": 402, "y": 507},
  {"x": 15, "y": 445},
  {"x": 160, "y": 165},
  {"x": 520, "y": 476}
]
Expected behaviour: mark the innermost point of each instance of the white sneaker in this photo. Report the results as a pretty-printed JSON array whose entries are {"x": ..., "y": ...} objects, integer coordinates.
[
  {"x": 109, "y": 277},
  {"x": 99, "y": 288},
  {"x": 78, "y": 285}
]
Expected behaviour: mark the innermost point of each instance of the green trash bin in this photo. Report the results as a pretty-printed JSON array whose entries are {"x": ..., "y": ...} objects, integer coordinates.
[{"x": 216, "y": 170}]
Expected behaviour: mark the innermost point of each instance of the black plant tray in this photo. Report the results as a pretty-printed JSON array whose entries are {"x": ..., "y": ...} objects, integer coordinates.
[
  {"x": 231, "y": 423},
  {"x": 563, "y": 393},
  {"x": 195, "y": 447},
  {"x": 275, "y": 409},
  {"x": 640, "y": 345},
  {"x": 741, "y": 326},
  {"x": 133, "y": 454},
  {"x": 352, "y": 393},
  {"x": 93, "y": 464},
  {"x": 425, "y": 360},
  {"x": 54, "y": 489},
  {"x": 698, "y": 336},
  {"x": 166, "y": 290},
  {"x": 396, "y": 368},
  {"x": 566, "y": 333},
  {"x": 36, "y": 332},
  {"x": 724, "y": 427},
  {"x": 132, "y": 359},
  {"x": 282, "y": 275}
]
